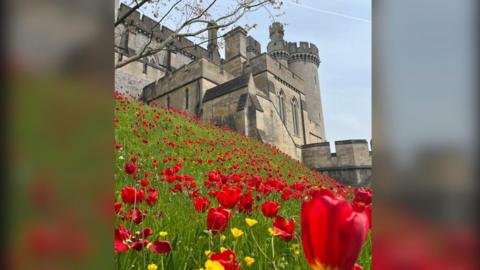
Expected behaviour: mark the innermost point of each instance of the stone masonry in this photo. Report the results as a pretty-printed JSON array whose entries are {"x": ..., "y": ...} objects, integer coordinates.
[{"x": 273, "y": 96}]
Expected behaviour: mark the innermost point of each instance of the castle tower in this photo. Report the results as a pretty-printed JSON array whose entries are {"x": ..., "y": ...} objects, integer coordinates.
[
  {"x": 277, "y": 46},
  {"x": 304, "y": 61},
  {"x": 235, "y": 51}
]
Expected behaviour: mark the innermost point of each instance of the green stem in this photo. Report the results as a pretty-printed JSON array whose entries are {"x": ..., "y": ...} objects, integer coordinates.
[
  {"x": 273, "y": 248},
  {"x": 258, "y": 246},
  {"x": 273, "y": 254}
]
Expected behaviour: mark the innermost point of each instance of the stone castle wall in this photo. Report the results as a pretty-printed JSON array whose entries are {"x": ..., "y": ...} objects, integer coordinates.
[
  {"x": 351, "y": 164},
  {"x": 180, "y": 80}
]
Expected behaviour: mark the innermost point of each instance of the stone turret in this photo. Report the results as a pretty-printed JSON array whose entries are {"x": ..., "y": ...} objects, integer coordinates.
[
  {"x": 277, "y": 47},
  {"x": 304, "y": 61}
]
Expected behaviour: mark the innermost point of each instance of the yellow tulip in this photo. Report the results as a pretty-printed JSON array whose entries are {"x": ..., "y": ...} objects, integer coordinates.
[
  {"x": 272, "y": 232},
  {"x": 251, "y": 222},
  {"x": 249, "y": 260},
  {"x": 213, "y": 265},
  {"x": 236, "y": 232},
  {"x": 152, "y": 266}
]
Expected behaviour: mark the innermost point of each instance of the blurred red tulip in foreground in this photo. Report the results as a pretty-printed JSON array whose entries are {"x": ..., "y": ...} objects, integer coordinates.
[{"x": 332, "y": 232}]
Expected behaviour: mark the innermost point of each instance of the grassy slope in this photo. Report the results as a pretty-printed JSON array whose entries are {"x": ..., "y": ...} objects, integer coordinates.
[{"x": 145, "y": 133}]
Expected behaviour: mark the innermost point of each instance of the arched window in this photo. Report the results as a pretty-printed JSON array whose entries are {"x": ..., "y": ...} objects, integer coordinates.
[
  {"x": 186, "y": 99},
  {"x": 295, "y": 116},
  {"x": 281, "y": 105}
]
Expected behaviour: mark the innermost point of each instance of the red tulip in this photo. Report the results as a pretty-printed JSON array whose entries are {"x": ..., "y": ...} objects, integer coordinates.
[
  {"x": 121, "y": 235},
  {"x": 283, "y": 228},
  {"x": 227, "y": 258},
  {"x": 201, "y": 204},
  {"x": 160, "y": 246},
  {"x": 270, "y": 208},
  {"x": 332, "y": 232},
  {"x": 147, "y": 232},
  {"x": 131, "y": 195},
  {"x": 363, "y": 196},
  {"x": 357, "y": 267},
  {"x": 135, "y": 215},
  {"x": 152, "y": 197},
  {"x": 130, "y": 168},
  {"x": 217, "y": 219},
  {"x": 246, "y": 203},
  {"x": 117, "y": 207},
  {"x": 138, "y": 245},
  {"x": 368, "y": 212},
  {"x": 228, "y": 197}
]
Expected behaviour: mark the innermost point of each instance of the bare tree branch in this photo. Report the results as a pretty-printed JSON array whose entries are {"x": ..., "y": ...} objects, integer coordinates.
[
  {"x": 150, "y": 39},
  {"x": 224, "y": 21},
  {"x": 125, "y": 16}
]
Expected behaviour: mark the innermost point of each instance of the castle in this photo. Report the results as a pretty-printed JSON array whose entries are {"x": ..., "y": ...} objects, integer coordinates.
[{"x": 273, "y": 96}]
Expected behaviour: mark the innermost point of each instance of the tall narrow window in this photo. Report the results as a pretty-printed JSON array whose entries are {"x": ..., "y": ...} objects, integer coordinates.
[
  {"x": 282, "y": 106},
  {"x": 168, "y": 102},
  {"x": 124, "y": 40},
  {"x": 145, "y": 66},
  {"x": 295, "y": 117},
  {"x": 186, "y": 99}
]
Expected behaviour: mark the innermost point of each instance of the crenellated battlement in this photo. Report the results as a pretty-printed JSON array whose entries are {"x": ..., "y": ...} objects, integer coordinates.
[
  {"x": 253, "y": 45},
  {"x": 284, "y": 70},
  {"x": 351, "y": 163},
  {"x": 145, "y": 25},
  {"x": 304, "y": 51},
  {"x": 276, "y": 30},
  {"x": 302, "y": 47}
]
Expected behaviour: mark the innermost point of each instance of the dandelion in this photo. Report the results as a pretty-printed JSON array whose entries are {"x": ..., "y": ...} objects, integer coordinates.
[
  {"x": 236, "y": 232},
  {"x": 249, "y": 260},
  {"x": 152, "y": 266},
  {"x": 213, "y": 265},
  {"x": 251, "y": 222},
  {"x": 162, "y": 234}
]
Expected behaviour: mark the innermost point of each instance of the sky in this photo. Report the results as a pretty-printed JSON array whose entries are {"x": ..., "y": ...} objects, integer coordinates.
[{"x": 341, "y": 29}]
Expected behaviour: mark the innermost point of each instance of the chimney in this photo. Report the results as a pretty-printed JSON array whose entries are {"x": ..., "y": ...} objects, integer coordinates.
[
  {"x": 236, "y": 44},
  {"x": 212, "y": 47}
]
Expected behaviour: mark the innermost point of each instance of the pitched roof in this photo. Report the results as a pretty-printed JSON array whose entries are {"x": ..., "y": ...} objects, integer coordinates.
[{"x": 226, "y": 88}]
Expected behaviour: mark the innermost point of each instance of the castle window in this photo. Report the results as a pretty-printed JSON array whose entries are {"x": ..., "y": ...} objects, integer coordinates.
[
  {"x": 124, "y": 40},
  {"x": 145, "y": 66},
  {"x": 281, "y": 106},
  {"x": 295, "y": 117},
  {"x": 186, "y": 99}
]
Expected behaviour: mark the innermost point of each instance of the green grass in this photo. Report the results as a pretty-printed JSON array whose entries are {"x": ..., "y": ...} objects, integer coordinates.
[{"x": 174, "y": 212}]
